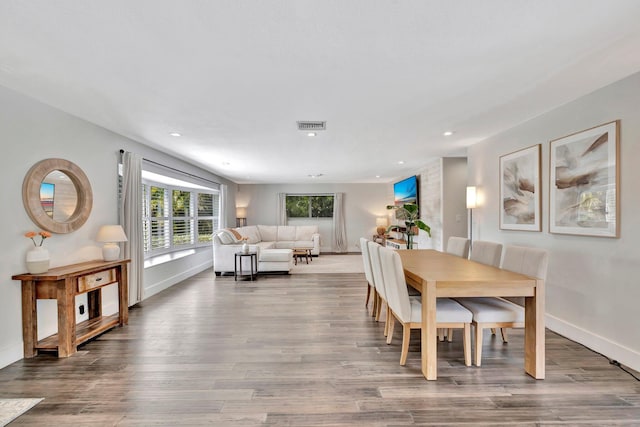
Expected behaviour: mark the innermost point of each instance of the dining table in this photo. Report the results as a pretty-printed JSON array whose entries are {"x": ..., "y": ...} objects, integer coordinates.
[{"x": 438, "y": 274}]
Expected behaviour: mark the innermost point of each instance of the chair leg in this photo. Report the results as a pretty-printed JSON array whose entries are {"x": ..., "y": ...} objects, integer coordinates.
[
  {"x": 466, "y": 344},
  {"x": 478, "y": 344},
  {"x": 374, "y": 304},
  {"x": 493, "y": 331},
  {"x": 378, "y": 308},
  {"x": 440, "y": 334},
  {"x": 392, "y": 322},
  {"x": 366, "y": 301},
  {"x": 503, "y": 331},
  {"x": 450, "y": 334},
  {"x": 406, "y": 336},
  {"x": 387, "y": 320}
]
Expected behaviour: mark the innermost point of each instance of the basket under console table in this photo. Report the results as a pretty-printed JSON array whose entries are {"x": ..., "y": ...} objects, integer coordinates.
[{"x": 63, "y": 284}]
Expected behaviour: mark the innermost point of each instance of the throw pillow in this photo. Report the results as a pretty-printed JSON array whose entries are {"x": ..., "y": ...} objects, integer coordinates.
[{"x": 235, "y": 233}]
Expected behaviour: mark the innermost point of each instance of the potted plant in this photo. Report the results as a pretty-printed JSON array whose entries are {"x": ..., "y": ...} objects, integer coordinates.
[{"x": 409, "y": 212}]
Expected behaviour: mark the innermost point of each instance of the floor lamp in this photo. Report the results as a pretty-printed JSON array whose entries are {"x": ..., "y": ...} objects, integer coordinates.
[{"x": 471, "y": 204}]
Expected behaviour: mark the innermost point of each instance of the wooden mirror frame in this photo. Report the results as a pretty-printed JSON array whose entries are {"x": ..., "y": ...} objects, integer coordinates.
[{"x": 31, "y": 195}]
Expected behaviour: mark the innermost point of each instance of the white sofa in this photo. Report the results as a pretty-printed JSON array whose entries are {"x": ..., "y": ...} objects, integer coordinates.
[{"x": 273, "y": 243}]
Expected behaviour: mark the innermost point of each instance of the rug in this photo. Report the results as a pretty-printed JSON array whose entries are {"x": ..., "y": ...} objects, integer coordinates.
[
  {"x": 10, "y": 409},
  {"x": 350, "y": 263}
]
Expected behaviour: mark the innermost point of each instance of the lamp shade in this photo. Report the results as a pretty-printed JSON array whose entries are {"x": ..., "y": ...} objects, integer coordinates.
[
  {"x": 381, "y": 221},
  {"x": 241, "y": 212},
  {"x": 471, "y": 197},
  {"x": 111, "y": 233}
]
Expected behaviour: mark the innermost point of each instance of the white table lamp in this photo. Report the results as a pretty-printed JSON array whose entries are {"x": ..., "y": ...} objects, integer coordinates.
[
  {"x": 472, "y": 203},
  {"x": 110, "y": 235}
]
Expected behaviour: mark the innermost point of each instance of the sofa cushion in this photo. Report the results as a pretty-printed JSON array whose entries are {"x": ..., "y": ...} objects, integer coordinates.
[
  {"x": 305, "y": 232},
  {"x": 303, "y": 244},
  {"x": 276, "y": 255},
  {"x": 226, "y": 237},
  {"x": 266, "y": 245},
  {"x": 268, "y": 233},
  {"x": 250, "y": 232},
  {"x": 286, "y": 232},
  {"x": 284, "y": 244}
]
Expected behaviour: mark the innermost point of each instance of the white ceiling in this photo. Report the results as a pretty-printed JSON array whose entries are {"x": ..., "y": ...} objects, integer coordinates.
[{"x": 388, "y": 76}]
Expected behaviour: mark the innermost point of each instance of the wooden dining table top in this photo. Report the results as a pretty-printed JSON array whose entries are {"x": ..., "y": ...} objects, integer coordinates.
[{"x": 457, "y": 276}]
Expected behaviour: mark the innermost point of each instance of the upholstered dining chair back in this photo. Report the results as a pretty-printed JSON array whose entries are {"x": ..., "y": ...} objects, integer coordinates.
[
  {"x": 366, "y": 260},
  {"x": 376, "y": 268},
  {"x": 529, "y": 261},
  {"x": 486, "y": 253},
  {"x": 458, "y": 246},
  {"x": 396, "y": 287}
]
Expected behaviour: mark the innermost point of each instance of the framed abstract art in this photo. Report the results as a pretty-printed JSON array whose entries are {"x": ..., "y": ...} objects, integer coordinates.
[
  {"x": 520, "y": 190},
  {"x": 584, "y": 182}
]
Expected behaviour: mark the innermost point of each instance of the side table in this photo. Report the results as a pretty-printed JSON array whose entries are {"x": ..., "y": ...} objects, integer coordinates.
[{"x": 253, "y": 265}]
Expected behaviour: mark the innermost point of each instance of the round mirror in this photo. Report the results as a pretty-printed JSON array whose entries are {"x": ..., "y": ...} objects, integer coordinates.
[{"x": 57, "y": 195}]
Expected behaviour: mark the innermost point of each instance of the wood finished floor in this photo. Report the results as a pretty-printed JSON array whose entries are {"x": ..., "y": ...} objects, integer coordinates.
[{"x": 302, "y": 351}]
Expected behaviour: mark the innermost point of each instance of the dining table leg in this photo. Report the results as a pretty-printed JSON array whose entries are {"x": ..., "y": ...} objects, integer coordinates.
[
  {"x": 534, "y": 339},
  {"x": 429, "y": 333}
]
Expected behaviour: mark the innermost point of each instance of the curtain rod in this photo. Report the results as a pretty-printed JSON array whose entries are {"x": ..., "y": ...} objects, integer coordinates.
[{"x": 174, "y": 169}]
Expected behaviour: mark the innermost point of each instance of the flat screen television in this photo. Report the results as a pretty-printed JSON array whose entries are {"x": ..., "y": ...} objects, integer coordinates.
[{"x": 405, "y": 191}]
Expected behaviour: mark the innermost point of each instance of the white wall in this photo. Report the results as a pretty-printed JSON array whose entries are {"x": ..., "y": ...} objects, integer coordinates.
[
  {"x": 454, "y": 199},
  {"x": 362, "y": 204},
  {"x": 32, "y": 131},
  {"x": 592, "y": 286}
]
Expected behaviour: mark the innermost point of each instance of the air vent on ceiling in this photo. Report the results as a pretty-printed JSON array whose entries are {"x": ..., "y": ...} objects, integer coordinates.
[{"x": 311, "y": 126}]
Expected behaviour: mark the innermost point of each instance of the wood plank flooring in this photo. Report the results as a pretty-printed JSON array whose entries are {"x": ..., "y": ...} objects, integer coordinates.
[{"x": 301, "y": 350}]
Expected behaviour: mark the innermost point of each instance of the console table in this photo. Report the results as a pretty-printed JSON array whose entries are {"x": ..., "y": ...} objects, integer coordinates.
[{"x": 63, "y": 284}]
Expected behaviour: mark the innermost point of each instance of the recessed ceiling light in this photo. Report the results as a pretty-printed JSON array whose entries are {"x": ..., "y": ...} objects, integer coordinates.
[
  {"x": 311, "y": 134},
  {"x": 226, "y": 163},
  {"x": 175, "y": 134},
  {"x": 377, "y": 176},
  {"x": 401, "y": 162},
  {"x": 448, "y": 133},
  {"x": 318, "y": 175}
]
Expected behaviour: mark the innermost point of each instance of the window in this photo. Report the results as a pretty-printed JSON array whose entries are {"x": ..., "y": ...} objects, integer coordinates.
[
  {"x": 178, "y": 218},
  {"x": 208, "y": 216},
  {"x": 309, "y": 206}
]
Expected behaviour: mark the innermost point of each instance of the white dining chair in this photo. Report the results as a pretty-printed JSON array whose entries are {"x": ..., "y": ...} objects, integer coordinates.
[
  {"x": 368, "y": 274},
  {"x": 488, "y": 253},
  {"x": 408, "y": 311},
  {"x": 458, "y": 246},
  {"x": 501, "y": 313},
  {"x": 378, "y": 280}
]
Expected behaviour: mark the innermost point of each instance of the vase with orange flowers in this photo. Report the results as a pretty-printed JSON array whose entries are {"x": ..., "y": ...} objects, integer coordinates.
[{"x": 38, "y": 256}]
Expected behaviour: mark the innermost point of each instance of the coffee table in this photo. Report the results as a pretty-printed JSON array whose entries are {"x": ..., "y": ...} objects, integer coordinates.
[{"x": 302, "y": 252}]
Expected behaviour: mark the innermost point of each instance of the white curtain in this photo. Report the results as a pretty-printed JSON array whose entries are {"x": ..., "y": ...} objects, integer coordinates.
[
  {"x": 130, "y": 216},
  {"x": 282, "y": 209},
  {"x": 223, "y": 206},
  {"x": 339, "y": 229}
]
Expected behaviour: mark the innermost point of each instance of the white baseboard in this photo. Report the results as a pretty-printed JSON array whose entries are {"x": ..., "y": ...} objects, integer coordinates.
[
  {"x": 172, "y": 280},
  {"x": 610, "y": 349}
]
